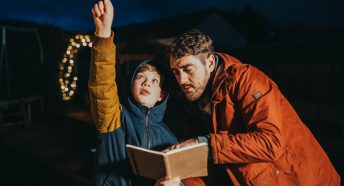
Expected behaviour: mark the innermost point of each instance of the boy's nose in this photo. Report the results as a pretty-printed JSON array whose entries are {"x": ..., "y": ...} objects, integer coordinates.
[{"x": 145, "y": 84}]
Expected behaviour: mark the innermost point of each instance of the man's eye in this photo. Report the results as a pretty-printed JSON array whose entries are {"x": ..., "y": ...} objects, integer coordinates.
[
  {"x": 175, "y": 72},
  {"x": 155, "y": 81},
  {"x": 188, "y": 69}
]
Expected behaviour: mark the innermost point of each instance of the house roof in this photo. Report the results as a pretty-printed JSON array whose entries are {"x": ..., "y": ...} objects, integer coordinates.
[{"x": 162, "y": 32}]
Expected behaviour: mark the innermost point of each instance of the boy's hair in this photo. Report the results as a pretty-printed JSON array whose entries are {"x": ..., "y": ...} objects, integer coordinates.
[
  {"x": 193, "y": 42},
  {"x": 152, "y": 68}
]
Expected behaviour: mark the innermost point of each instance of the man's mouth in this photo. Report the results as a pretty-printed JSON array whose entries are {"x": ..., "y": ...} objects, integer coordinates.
[{"x": 187, "y": 89}]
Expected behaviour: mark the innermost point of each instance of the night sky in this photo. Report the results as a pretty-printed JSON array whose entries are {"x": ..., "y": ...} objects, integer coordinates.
[{"x": 75, "y": 15}]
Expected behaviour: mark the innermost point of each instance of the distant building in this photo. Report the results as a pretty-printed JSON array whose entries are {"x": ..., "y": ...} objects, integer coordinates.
[{"x": 149, "y": 40}]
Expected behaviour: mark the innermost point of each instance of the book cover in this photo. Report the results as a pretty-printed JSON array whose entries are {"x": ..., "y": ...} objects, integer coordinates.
[{"x": 185, "y": 162}]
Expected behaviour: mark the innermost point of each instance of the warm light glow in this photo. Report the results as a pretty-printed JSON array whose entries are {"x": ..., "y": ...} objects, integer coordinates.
[{"x": 68, "y": 76}]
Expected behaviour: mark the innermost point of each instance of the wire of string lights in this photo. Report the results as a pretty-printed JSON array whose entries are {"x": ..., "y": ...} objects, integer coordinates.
[{"x": 68, "y": 76}]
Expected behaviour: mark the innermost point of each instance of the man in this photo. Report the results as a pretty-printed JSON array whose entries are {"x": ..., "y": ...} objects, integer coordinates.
[{"x": 254, "y": 135}]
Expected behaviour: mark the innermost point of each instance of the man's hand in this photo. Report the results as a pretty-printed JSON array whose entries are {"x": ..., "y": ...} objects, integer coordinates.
[
  {"x": 182, "y": 144},
  {"x": 164, "y": 181},
  {"x": 103, "y": 14}
]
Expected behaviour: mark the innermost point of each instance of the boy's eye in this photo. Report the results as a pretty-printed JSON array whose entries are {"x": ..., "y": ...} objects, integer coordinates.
[
  {"x": 139, "y": 77},
  {"x": 155, "y": 81}
]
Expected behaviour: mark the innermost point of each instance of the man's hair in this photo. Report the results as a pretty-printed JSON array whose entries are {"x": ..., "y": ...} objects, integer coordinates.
[
  {"x": 152, "y": 68},
  {"x": 193, "y": 42}
]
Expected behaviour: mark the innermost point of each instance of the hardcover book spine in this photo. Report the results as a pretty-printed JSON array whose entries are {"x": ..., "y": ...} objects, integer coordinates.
[
  {"x": 167, "y": 167},
  {"x": 132, "y": 161}
]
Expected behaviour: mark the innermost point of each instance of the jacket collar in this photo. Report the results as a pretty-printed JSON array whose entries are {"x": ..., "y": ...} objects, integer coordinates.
[
  {"x": 223, "y": 77},
  {"x": 156, "y": 113}
]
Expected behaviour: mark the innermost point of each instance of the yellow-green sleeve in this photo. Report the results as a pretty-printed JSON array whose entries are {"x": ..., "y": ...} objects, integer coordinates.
[{"x": 104, "y": 102}]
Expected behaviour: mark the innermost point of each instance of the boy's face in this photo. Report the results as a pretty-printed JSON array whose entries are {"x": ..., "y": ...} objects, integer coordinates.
[{"x": 146, "y": 88}]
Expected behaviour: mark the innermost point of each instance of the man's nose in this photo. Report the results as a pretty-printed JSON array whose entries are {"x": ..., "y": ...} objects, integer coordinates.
[{"x": 182, "y": 78}]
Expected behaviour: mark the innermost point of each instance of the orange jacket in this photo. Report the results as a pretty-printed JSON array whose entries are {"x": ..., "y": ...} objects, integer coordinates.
[{"x": 258, "y": 136}]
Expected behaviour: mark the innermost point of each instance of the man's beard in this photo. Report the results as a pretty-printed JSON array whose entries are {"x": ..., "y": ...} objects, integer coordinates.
[{"x": 198, "y": 90}]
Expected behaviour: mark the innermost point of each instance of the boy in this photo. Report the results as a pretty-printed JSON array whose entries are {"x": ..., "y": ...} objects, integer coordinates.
[{"x": 139, "y": 122}]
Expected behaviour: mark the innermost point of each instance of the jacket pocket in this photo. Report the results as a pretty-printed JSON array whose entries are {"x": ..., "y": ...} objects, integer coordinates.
[
  {"x": 267, "y": 176},
  {"x": 289, "y": 162}
]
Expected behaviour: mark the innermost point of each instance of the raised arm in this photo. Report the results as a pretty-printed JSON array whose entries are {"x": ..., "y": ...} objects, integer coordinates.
[{"x": 104, "y": 102}]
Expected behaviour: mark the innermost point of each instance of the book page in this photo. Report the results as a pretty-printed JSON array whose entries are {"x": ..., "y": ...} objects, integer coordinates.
[
  {"x": 191, "y": 161},
  {"x": 145, "y": 162},
  {"x": 185, "y": 162}
]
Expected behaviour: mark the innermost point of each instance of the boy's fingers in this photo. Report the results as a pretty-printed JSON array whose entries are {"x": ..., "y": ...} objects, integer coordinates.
[
  {"x": 94, "y": 14},
  {"x": 101, "y": 7},
  {"x": 96, "y": 10},
  {"x": 171, "y": 182},
  {"x": 107, "y": 5}
]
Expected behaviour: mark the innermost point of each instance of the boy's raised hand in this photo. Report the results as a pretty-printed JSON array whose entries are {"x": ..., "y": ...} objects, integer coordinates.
[{"x": 103, "y": 14}]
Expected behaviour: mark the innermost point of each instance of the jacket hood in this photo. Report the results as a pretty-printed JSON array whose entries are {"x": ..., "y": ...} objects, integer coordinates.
[
  {"x": 157, "y": 112},
  {"x": 149, "y": 62}
]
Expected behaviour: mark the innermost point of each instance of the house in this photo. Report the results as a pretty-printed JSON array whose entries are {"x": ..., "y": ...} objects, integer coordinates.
[{"x": 149, "y": 40}]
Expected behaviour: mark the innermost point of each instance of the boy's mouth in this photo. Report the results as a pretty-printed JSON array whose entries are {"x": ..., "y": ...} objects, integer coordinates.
[{"x": 144, "y": 92}]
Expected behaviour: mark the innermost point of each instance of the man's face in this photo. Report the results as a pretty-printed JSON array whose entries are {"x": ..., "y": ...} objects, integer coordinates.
[
  {"x": 192, "y": 75},
  {"x": 146, "y": 88}
]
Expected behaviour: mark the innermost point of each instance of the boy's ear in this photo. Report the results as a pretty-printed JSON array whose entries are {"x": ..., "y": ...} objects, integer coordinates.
[{"x": 162, "y": 95}]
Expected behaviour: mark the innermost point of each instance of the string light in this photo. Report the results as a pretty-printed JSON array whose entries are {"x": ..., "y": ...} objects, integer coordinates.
[{"x": 68, "y": 76}]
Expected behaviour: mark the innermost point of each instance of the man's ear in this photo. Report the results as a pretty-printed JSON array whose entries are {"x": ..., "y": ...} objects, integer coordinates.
[
  {"x": 211, "y": 63},
  {"x": 162, "y": 95}
]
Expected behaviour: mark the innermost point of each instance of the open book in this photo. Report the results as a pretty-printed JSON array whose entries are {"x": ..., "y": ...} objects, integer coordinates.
[{"x": 185, "y": 162}]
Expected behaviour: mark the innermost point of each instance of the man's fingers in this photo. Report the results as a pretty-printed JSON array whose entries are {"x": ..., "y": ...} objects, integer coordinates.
[
  {"x": 176, "y": 146},
  {"x": 166, "y": 150}
]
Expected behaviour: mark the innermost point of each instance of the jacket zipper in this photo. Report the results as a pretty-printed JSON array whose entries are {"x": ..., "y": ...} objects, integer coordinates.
[{"x": 148, "y": 130}]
